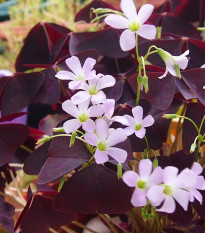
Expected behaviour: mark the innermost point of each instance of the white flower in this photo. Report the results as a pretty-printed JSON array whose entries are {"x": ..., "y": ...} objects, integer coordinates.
[
  {"x": 173, "y": 63},
  {"x": 105, "y": 139},
  {"x": 133, "y": 23},
  {"x": 93, "y": 90},
  {"x": 79, "y": 73},
  {"x": 82, "y": 114},
  {"x": 137, "y": 124}
]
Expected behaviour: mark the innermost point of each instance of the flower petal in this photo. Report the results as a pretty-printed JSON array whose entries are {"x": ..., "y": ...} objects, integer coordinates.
[
  {"x": 195, "y": 193},
  {"x": 102, "y": 129},
  {"x": 99, "y": 98},
  {"x": 140, "y": 133},
  {"x": 138, "y": 198},
  {"x": 170, "y": 67},
  {"x": 91, "y": 138},
  {"x": 74, "y": 64},
  {"x": 130, "y": 120},
  {"x": 80, "y": 97},
  {"x": 155, "y": 195},
  {"x": 182, "y": 197},
  {"x": 89, "y": 126},
  {"x": 106, "y": 81},
  {"x": 147, "y": 31},
  {"x": 129, "y": 131},
  {"x": 109, "y": 107},
  {"x": 182, "y": 61},
  {"x": 83, "y": 107},
  {"x": 145, "y": 168},
  {"x": 148, "y": 121},
  {"x": 96, "y": 111},
  {"x": 71, "y": 125},
  {"x": 118, "y": 154},
  {"x": 121, "y": 120},
  {"x": 197, "y": 168},
  {"x": 100, "y": 157},
  {"x": 117, "y": 21},
  {"x": 117, "y": 136},
  {"x": 130, "y": 178},
  {"x": 164, "y": 75},
  {"x": 127, "y": 40},
  {"x": 70, "y": 108},
  {"x": 168, "y": 206},
  {"x": 145, "y": 12},
  {"x": 88, "y": 65},
  {"x": 138, "y": 114},
  {"x": 156, "y": 177},
  {"x": 65, "y": 75},
  {"x": 170, "y": 174},
  {"x": 129, "y": 9},
  {"x": 73, "y": 85}
]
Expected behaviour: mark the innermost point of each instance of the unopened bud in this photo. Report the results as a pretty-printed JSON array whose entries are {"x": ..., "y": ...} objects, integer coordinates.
[
  {"x": 119, "y": 170},
  {"x": 145, "y": 83},
  {"x": 193, "y": 147},
  {"x": 155, "y": 162},
  {"x": 170, "y": 116},
  {"x": 44, "y": 139},
  {"x": 72, "y": 139}
]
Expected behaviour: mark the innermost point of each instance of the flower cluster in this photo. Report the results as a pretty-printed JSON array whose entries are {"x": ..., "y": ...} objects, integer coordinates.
[
  {"x": 91, "y": 102},
  {"x": 162, "y": 187}
]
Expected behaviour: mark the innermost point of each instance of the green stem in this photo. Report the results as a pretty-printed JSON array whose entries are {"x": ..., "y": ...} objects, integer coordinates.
[
  {"x": 137, "y": 52},
  {"x": 158, "y": 222},
  {"x": 67, "y": 135},
  {"x": 138, "y": 85},
  {"x": 202, "y": 122},
  {"x": 143, "y": 65},
  {"x": 149, "y": 53},
  {"x": 147, "y": 144}
]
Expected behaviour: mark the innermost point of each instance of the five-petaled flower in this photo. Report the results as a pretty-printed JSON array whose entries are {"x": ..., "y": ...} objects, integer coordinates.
[
  {"x": 133, "y": 23},
  {"x": 137, "y": 124},
  {"x": 105, "y": 139},
  {"x": 173, "y": 63},
  {"x": 82, "y": 113},
  {"x": 142, "y": 182},
  {"x": 79, "y": 73}
]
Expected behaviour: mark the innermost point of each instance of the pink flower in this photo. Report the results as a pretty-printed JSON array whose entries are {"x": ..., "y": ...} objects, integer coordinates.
[
  {"x": 133, "y": 23},
  {"x": 93, "y": 90},
  {"x": 137, "y": 124},
  {"x": 82, "y": 114},
  {"x": 104, "y": 139},
  {"x": 79, "y": 74},
  {"x": 175, "y": 188},
  {"x": 143, "y": 181}
]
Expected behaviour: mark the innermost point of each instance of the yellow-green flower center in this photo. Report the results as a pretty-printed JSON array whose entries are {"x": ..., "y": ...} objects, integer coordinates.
[
  {"x": 141, "y": 184},
  {"x": 81, "y": 77},
  {"x": 83, "y": 117},
  {"x": 134, "y": 26},
  {"x": 93, "y": 91},
  {"x": 167, "y": 190},
  {"x": 138, "y": 127},
  {"x": 102, "y": 146}
]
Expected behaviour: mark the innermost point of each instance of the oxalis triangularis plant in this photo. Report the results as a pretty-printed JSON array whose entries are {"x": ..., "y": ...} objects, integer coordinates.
[{"x": 126, "y": 140}]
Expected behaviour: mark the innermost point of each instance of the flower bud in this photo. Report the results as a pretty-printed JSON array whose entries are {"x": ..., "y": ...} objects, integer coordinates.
[
  {"x": 193, "y": 147},
  {"x": 170, "y": 116},
  {"x": 44, "y": 139},
  {"x": 145, "y": 83}
]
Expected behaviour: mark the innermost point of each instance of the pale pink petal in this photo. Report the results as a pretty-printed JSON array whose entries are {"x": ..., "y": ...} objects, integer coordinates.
[
  {"x": 91, "y": 138},
  {"x": 74, "y": 64},
  {"x": 148, "y": 121},
  {"x": 138, "y": 114},
  {"x": 70, "y": 108},
  {"x": 90, "y": 75},
  {"x": 129, "y": 131},
  {"x": 203, "y": 66},
  {"x": 182, "y": 61},
  {"x": 65, "y": 75},
  {"x": 106, "y": 81},
  {"x": 96, "y": 110},
  {"x": 118, "y": 154},
  {"x": 117, "y": 136},
  {"x": 93, "y": 81},
  {"x": 145, "y": 12},
  {"x": 99, "y": 98},
  {"x": 130, "y": 120},
  {"x": 155, "y": 195},
  {"x": 186, "y": 179},
  {"x": 156, "y": 176},
  {"x": 127, "y": 40},
  {"x": 168, "y": 206},
  {"x": 89, "y": 126},
  {"x": 138, "y": 198},
  {"x": 170, "y": 174},
  {"x": 121, "y": 120},
  {"x": 83, "y": 107},
  {"x": 109, "y": 107},
  {"x": 73, "y": 85},
  {"x": 170, "y": 67},
  {"x": 147, "y": 31},
  {"x": 164, "y": 75},
  {"x": 130, "y": 178},
  {"x": 102, "y": 129},
  {"x": 182, "y": 197},
  {"x": 129, "y": 9},
  {"x": 88, "y": 65},
  {"x": 145, "y": 168},
  {"x": 195, "y": 193},
  {"x": 200, "y": 183},
  {"x": 140, "y": 133},
  {"x": 117, "y": 21},
  {"x": 100, "y": 157},
  {"x": 71, "y": 125},
  {"x": 197, "y": 168},
  {"x": 80, "y": 97}
]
